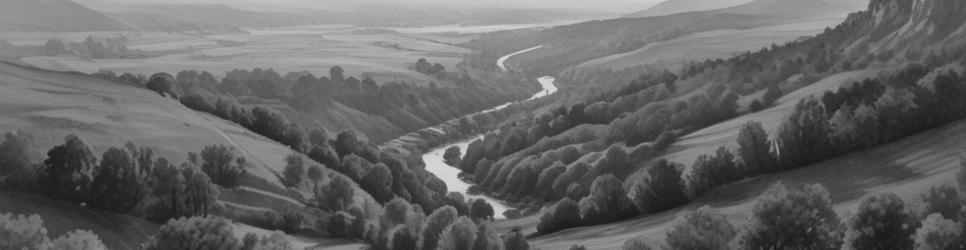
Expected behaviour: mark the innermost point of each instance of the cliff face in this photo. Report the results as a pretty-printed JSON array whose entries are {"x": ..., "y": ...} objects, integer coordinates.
[{"x": 919, "y": 23}]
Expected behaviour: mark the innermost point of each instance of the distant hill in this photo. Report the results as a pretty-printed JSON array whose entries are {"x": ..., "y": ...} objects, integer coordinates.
[
  {"x": 214, "y": 17},
  {"x": 757, "y": 7},
  {"x": 670, "y": 7},
  {"x": 53, "y": 16},
  {"x": 799, "y": 8}
]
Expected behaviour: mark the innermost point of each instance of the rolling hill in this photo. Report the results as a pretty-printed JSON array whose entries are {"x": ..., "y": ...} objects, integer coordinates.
[
  {"x": 681, "y": 6},
  {"x": 53, "y": 16}
]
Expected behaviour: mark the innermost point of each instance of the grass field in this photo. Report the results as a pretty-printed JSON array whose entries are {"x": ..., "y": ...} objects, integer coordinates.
[
  {"x": 711, "y": 44},
  {"x": 385, "y": 56}
]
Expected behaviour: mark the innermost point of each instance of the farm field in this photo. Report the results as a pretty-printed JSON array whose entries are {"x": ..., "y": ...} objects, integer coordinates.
[
  {"x": 382, "y": 54},
  {"x": 712, "y": 44}
]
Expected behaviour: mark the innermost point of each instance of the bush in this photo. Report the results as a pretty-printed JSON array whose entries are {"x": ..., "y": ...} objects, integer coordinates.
[
  {"x": 194, "y": 233},
  {"x": 791, "y": 219},
  {"x": 23, "y": 232},
  {"x": 607, "y": 201},
  {"x": 881, "y": 222},
  {"x": 339, "y": 223},
  {"x": 291, "y": 221},
  {"x": 516, "y": 241},
  {"x": 709, "y": 172},
  {"x": 938, "y": 233},
  {"x": 78, "y": 240},
  {"x": 335, "y": 196},
  {"x": 700, "y": 230},
  {"x": 481, "y": 210},
  {"x": 487, "y": 238},
  {"x": 276, "y": 241}
]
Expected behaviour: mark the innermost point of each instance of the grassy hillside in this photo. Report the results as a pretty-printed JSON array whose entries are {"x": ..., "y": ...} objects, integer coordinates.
[
  {"x": 906, "y": 167},
  {"x": 681, "y": 6},
  {"x": 53, "y": 16}
]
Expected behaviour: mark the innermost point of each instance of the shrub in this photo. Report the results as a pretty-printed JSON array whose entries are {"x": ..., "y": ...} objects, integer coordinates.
[
  {"x": 291, "y": 221},
  {"x": 881, "y": 222},
  {"x": 709, "y": 172},
  {"x": 481, "y": 210},
  {"x": 194, "y": 233},
  {"x": 338, "y": 225},
  {"x": 336, "y": 195},
  {"x": 791, "y": 219},
  {"x": 938, "y": 233},
  {"x": 700, "y": 230},
  {"x": 487, "y": 238}
]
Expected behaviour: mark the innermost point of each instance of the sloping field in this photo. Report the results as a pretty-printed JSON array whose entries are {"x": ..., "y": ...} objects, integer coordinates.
[
  {"x": 51, "y": 105},
  {"x": 117, "y": 231},
  {"x": 711, "y": 44},
  {"x": 705, "y": 141},
  {"x": 906, "y": 167}
]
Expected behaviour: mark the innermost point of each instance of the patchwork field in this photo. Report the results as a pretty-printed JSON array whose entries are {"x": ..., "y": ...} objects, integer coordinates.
[
  {"x": 384, "y": 55},
  {"x": 712, "y": 44}
]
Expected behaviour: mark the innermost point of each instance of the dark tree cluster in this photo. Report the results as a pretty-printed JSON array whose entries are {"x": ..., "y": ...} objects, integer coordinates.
[
  {"x": 129, "y": 179},
  {"x": 424, "y": 66}
]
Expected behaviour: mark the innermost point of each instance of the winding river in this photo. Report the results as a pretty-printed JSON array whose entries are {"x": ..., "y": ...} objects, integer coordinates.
[{"x": 450, "y": 175}]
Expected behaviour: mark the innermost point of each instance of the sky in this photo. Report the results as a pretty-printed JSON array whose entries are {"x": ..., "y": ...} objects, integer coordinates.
[{"x": 620, "y": 6}]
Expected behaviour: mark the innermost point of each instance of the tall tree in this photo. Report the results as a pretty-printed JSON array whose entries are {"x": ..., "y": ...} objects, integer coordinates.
[
  {"x": 69, "y": 170},
  {"x": 791, "y": 219},
  {"x": 754, "y": 149}
]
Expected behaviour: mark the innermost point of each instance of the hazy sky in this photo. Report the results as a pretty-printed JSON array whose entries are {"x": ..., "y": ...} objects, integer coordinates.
[{"x": 623, "y": 6}]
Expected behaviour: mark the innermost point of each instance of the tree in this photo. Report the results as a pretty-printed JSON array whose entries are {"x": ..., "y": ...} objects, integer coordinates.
[
  {"x": 578, "y": 247},
  {"x": 459, "y": 236},
  {"x": 275, "y": 241},
  {"x": 15, "y": 155},
  {"x": 754, "y": 149},
  {"x": 607, "y": 201},
  {"x": 943, "y": 200},
  {"x": 700, "y": 229},
  {"x": 803, "y": 136},
  {"x": 116, "y": 186},
  {"x": 219, "y": 166},
  {"x": 565, "y": 214},
  {"x": 709, "y": 172},
  {"x": 161, "y": 83},
  {"x": 452, "y": 156},
  {"x": 487, "y": 238},
  {"x": 339, "y": 223},
  {"x": 200, "y": 194},
  {"x": 78, "y": 240},
  {"x": 545, "y": 180},
  {"x": 881, "y": 222},
  {"x": 401, "y": 237},
  {"x": 315, "y": 173},
  {"x": 168, "y": 187},
  {"x": 791, "y": 219},
  {"x": 938, "y": 233},
  {"x": 195, "y": 233},
  {"x": 660, "y": 190},
  {"x": 69, "y": 170},
  {"x": 23, "y": 232},
  {"x": 291, "y": 221},
  {"x": 336, "y": 74},
  {"x": 377, "y": 181},
  {"x": 515, "y": 240},
  {"x": 438, "y": 221},
  {"x": 294, "y": 170},
  {"x": 335, "y": 196},
  {"x": 637, "y": 243},
  {"x": 481, "y": 210}
]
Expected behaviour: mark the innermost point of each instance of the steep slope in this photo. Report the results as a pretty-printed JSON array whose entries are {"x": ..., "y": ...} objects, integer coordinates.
[
  {"x": 670, "y": 7},
  {"x": 53, "y": 16}
]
